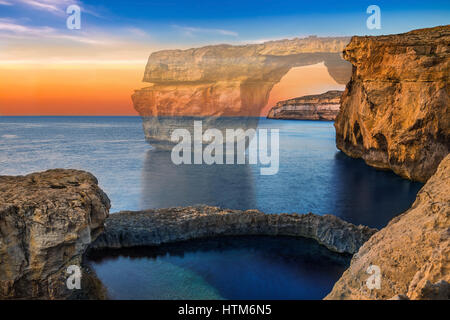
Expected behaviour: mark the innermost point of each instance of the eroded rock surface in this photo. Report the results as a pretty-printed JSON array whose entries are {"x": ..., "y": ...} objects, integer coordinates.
[
  {"x": 412, "y": 251},
  {"x": 323, "y": 106},
  {"x": 154, "y": 227},
  {"x": 225, "y": 81},
  {"x": 253, "y": 62},
  {"x": 395, "y": 111},
  {"x": 47, "y": 220}
]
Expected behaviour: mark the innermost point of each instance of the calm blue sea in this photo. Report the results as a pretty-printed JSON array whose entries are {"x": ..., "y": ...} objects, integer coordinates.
[{"x": 313, "y": 177}]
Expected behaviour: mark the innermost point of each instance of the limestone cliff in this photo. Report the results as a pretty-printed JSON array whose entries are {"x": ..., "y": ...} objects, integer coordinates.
[
  {"x": 47, "y": 220},
  {"x": 225, "y": 80},
  {"x": 412, "y": 251},
  {"x": 155, "y": 227},
  {"x": 314, "y": 107},
  {"x": 267, "y": 61},
  {"x": 395, "y": 111}
]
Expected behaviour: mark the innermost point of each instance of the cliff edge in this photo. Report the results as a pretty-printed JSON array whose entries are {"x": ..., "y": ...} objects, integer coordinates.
[
  {"x": 412, "y": 251},
  {"x": 47, "y": 221},
  {"x": 395, "y": 109},
  {"x": 323, "y": 106}
]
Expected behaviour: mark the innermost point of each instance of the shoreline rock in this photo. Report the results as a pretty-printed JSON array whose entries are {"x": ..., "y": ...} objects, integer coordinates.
[
  {"x": 323, "y": 107},
  {"x": 159, "y": 226},
  {"x": 412, "y": 251},
  {"x": 47, "y": 221},
  {"x": 395, "y": 109}
]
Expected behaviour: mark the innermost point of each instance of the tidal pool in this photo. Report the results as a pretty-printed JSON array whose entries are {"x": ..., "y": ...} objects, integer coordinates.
[{"x": 244, "y": 267}]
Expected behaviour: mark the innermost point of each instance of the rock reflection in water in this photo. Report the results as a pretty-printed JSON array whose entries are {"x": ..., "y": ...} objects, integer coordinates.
[
  {"x": 369, "y": 196},
  {"x": 165, "y": 184}
]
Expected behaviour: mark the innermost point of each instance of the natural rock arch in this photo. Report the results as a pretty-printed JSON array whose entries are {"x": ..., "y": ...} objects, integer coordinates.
[{"x": 225, "y": 81}]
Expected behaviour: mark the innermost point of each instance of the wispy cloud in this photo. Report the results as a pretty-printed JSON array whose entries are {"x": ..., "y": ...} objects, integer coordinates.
[
  {"x": 57, "y": 7},
  {"x": 82, "y": 39},
  {"x": 136, "y": 31},
  {"x": 53, "y": 6},
  {"x": 5, "y": 3},
  {"x": 9, "y": 26},
  {"x": 191, "y": 31},
  {"x": 11, "y": 29}
]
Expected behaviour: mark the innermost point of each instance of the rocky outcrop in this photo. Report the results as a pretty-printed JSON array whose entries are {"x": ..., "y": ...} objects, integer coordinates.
[
  {"x": 251, "y": 62},
  {"x": 323, "y": 106},
  {"x": 395, "y": 110},
  {"x": 47, "y": 220},
  {"x": 225, "y": 81},
  {"x": 412, "y": 251},
  {"x": 155, "y": 227}
]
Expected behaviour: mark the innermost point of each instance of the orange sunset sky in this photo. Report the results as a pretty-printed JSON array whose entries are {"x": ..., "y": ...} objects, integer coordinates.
[
  {"x": 105, "y": 89},
  {"x": 70, "y": 89},
  {"x": 46, "y": 68}
]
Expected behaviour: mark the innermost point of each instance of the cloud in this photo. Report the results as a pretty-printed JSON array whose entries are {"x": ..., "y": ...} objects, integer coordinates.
[
  {"x": 53, "y": 6},
  {"x": 5, "y": 3},
  {"x": 9, "y": 26},
  {"x": 81, "y": 39},
  {"x": 11, "y": 29},
  {"x": 191, "y": 31},
  {"x": 57, "y": 7},
  {"x": 136, "y": 31}
]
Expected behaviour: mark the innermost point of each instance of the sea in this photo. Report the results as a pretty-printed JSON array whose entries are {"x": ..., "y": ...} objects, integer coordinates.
[{"x": 313, "y": 176}]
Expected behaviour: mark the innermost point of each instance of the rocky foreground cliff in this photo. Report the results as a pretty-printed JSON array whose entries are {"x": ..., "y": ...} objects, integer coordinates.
[
  {"x": 395, "y": 111},
  {"x": 47, "y": 220},
  {"x": 323, "y": 106},
  {"x": 412, "y": 251}
]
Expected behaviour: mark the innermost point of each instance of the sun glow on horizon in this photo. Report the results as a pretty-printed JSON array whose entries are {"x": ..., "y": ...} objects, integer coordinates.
[{"x": 87, "y": 88}]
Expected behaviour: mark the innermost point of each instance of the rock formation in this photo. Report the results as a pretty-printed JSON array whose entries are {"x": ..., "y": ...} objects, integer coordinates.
[
  {"x": 154, "y": 227},
  {"x": 412, "y": 251},
  {"x": 314, "y": 107},
  {"x": 225, "y": 81},
  {"x": 47, "y": 220},
  {"x": 395, "y": 110}
]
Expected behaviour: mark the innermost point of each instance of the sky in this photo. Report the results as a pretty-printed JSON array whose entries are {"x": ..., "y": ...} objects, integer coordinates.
[{"x": 48, "y": 69}]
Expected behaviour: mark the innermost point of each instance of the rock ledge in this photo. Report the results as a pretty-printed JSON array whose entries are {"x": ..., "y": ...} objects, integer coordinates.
[
  {"x": 154, "y": 227},
  {"x": 47, "y": 220}
]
